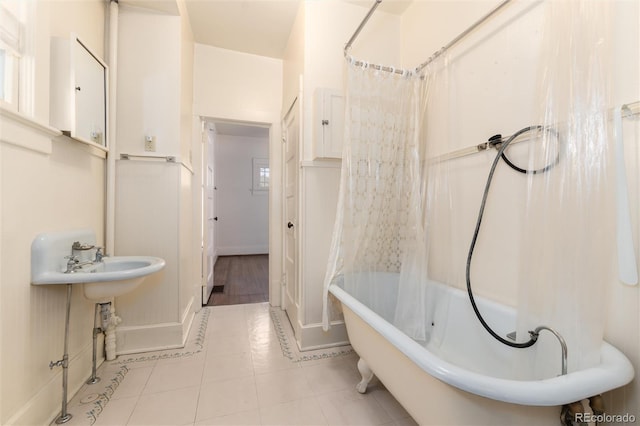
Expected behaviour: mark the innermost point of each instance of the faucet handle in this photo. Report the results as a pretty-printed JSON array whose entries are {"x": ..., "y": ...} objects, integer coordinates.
[
  {"x": 71, "y": 263},
  {"x": 99, "y": 254}
]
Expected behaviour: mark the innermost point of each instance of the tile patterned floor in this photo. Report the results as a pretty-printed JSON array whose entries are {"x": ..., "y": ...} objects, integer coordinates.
[{"x": 233, "y": 372}]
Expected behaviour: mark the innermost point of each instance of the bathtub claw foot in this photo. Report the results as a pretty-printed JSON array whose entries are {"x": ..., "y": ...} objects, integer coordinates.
[
  {"x": 367, "y": 376},
  {"x": 597, "y": 404},
  {"x": 572, "y": 414}
]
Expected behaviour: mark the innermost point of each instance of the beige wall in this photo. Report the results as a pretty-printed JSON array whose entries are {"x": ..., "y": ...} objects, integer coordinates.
[
  {"x": 328, "y": 25},
  {"x": 236, "y": 86},
  {"x": 45, "y": 186},
  {"x": 187, "y": 47},
  {"x": 48, "y": 183},
  {"x": 156, "y": 200},
  {"x": 293, "y": 61},
  {"x": 149, "y": 72},
  {"x": 84, "y": 18}
]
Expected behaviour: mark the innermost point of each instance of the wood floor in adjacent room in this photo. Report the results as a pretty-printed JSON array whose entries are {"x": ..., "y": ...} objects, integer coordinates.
[{"x": 240, "y": 279}]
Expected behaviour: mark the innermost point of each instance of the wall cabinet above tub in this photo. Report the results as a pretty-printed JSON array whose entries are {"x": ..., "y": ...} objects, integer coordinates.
[
  {"x": 78, "y": 85},
  {"x": 328, "y": 123}
]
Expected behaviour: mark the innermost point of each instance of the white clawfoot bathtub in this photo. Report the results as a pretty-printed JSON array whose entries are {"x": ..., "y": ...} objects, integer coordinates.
[{"x": 461, "y": 380}]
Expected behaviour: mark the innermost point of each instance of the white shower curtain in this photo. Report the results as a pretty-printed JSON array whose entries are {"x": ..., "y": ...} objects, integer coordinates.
[
  {"x": 569, "y": 239},
  {"x": 378, "y": 232},
  {"x": 395, "y": 217}
]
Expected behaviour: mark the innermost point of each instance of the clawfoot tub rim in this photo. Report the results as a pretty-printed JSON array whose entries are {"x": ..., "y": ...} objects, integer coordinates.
[{"x": 614, "y": 371}]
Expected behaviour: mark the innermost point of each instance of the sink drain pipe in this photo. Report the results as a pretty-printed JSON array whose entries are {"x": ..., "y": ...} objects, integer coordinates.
[
  {"x": 103, "y": 309},
  {"x": 108, "y": 321}
]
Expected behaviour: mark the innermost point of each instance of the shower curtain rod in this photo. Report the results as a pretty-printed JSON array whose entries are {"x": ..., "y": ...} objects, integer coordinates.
[
  {"x": 361, "y": 26},
  {"x": 628, "y": 111},
  {"x": 434, "y": 55}
]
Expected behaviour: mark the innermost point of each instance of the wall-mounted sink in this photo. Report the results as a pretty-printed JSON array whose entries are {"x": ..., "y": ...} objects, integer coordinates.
[
  {"x": 71, "y": 257},
  {"x": 112, "y": 277},
  {"x": 119, "y": 275},
  {"x": 102, "y": 280}
]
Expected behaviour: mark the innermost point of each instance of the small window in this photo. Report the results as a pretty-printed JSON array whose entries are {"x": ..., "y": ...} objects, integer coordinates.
[
  {"x": 261, "y": 175},
  {"x": 16, "y": 59}
]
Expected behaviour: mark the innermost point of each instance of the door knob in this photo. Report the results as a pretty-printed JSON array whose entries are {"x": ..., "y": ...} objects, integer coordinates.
[
  {"x": 289, "y": 225},
  {"x": 215, "y": 218}
]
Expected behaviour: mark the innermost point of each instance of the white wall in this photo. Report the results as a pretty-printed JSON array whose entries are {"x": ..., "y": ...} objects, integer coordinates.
[
  {"x": 155, "y": 199},
  {"x": 328, "y": 26},
  {"x": 293, "y": 61},
  {"x": 45, "y": 186},
  {"x": 149, "y": 72},
  {"x": 494, "y": 80},
  {"x": 187, "y": 47},
  {"x": 236, "y": 86},
  {"x": 489, "y": 88},
  {"x": 243, "y": 216}
]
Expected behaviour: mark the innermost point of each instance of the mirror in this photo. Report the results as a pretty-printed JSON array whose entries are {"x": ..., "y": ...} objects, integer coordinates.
[
  {"x": 90, "y": 96},
  {"x": 78, "y": 91}
]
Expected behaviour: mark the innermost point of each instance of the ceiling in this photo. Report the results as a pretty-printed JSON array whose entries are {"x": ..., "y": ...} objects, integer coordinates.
[
  {"x": 259, "y": 27},
  {"x": 250, "y": 26}
]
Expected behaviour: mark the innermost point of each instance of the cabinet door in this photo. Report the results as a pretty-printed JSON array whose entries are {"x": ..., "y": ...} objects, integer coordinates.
[
  {"x": 334, "y": 131},
  {"x": 78, "y": 96},
  {"x": 329, "y": 123},
  {"x": 90, "y": 93}
]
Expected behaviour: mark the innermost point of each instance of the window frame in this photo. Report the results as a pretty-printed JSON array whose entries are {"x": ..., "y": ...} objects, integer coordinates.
[
  {"x": 258, "y": 164},
  {"x": 17, "y": 31}
]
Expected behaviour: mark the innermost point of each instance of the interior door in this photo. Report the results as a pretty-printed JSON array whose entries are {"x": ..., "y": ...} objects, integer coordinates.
[
  {"x": 291, "y": 299},
  {"x": 209, "y": 213}
]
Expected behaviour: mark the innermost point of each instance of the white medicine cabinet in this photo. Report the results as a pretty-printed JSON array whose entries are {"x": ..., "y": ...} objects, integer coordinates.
[
  {"x": 78, "y": 103},
  {"x": 328, "y": 126}
]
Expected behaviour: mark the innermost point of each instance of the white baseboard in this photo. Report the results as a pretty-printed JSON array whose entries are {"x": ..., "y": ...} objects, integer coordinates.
[
  {"x": 275, "y": 293},
  {"x": 155, "y": 337},
  {"x": 313, "y": 337},
  {"x": 241, "y": 250}
]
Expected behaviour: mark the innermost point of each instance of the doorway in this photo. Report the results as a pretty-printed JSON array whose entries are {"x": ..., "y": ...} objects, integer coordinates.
[
  {"x": 240, "y": 279},
  {"x": 236, "y": 213}
]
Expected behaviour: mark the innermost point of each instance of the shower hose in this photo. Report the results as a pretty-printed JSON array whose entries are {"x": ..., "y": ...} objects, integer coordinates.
[{"x": 494, "y": 141}]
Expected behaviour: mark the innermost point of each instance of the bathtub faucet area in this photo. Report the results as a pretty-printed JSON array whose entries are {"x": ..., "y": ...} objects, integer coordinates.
[{"x": 534, "y": 335}]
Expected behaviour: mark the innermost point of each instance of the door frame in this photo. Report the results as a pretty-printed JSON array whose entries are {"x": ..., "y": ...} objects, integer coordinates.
[{"x": 275, "y": 212}]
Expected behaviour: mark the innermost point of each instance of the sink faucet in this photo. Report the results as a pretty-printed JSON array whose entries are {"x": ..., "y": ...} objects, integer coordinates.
[{"x": 73, "y": 264}]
